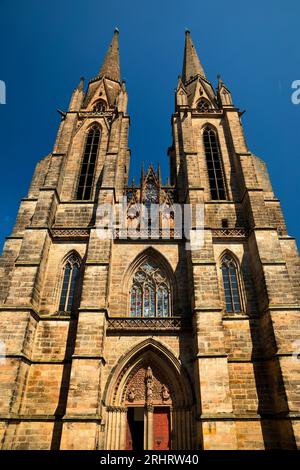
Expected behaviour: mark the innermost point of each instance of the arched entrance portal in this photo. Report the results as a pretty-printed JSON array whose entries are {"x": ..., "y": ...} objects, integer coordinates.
[{"x": 149, "y": 402}]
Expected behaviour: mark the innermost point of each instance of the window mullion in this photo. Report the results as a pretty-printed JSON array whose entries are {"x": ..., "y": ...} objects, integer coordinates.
[
  {"x": 88, "y": 163},
  {"x": 231, "y": 289},
  {"x": 214, "y": 165},
  {"x": 68, "y": 290},
  {"x": 89, "y": 158},
  {"x": 213, "y": 156},
  {"x": 87, "y": 167},
  {"x": 221, "y": 167},
  {"x": 154, "y": 292}
]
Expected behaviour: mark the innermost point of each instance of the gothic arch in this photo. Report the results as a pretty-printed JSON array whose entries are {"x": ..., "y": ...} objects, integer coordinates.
[
  {"x": 149, "y": 377},
  {"x": 153, "y": 350},
  {"x": 84, "y": 127},
  {"x": 93, "y": 124},
  {"x": 151, "y": 253},
  {"x": 230, "y": 253},
  {"x": 208, "y": 125},
  {"x": 68, "y": 255}
]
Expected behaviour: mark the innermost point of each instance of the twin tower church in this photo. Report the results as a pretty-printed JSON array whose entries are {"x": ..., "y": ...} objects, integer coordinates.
[{"x": 140, "y": 343}]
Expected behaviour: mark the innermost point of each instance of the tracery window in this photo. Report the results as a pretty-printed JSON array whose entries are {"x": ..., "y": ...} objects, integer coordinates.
[
  {"x": 99, "y": 107},
  {"x": 232, "y": 287},
  {"x": 88, "y": 164},
  {"x": 68, "y": 290},
  {"x": 151, "y": 195},
  {"x": 150, "y": 294},
  {"x": 214, "y": 164},
  {"x": 203, "y": 106}
]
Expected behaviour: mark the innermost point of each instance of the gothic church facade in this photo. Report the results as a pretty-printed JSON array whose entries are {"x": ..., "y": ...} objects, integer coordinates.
[{"x": 139, "y": 343}]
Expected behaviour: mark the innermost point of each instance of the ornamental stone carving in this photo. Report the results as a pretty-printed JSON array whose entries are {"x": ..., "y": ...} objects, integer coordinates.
[
  {"x": 131, "y": 395},
  {"x": 147, "y": 386}
]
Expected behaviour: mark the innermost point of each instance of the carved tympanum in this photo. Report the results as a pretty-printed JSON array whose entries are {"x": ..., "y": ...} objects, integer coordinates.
[{"x": 147, "y": 386}]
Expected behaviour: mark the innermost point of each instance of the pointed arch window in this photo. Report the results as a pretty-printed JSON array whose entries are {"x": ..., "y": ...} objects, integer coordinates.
[
  {"x": 214, "y": 164},
  {"x": 69, "y": 285},
  {"x": 232, "y": 287},
  {"x": 150, "y": 294},
  {"x": 87, "y": 171}
]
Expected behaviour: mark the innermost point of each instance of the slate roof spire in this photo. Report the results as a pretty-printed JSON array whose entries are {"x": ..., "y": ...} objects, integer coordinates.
[
  {"x": 111, "y": 64},
  {"x": 191, "y": 62}
]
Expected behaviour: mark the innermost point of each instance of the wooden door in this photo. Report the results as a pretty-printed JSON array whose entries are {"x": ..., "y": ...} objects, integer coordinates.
[
  {"x": 161, "y": 428},
  {"x": 129, "y": 426}
]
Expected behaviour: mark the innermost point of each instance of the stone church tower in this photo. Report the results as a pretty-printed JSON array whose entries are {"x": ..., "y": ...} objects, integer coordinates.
[{"x": 137, "y": 342}]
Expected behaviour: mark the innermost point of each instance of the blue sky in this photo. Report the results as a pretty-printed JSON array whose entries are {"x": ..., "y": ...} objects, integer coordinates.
[{"x": 47, "y": 46}]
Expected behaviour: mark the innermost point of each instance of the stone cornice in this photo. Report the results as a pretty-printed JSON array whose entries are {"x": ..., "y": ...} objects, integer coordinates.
[
  {"x": 274, "y": 308},
  {"x": 70, "y": 233},
  {"x": 239, "y": 233},
  {"x": 46, "y": 417},
  {"x": 29, "y": 199},
  {"x": 96, "y": 263},
  {"x": 211, "y": 356},
  {"x": 89, "y": 356},
  {"x": 93, "y": 310},
  {"x": 207, "y": 309},
  {"x": 147, "y": 324},
  {"x": 20, "y": 309},
  {"x": 203, "y": 263},
  {"x": 246, "y": 417}
]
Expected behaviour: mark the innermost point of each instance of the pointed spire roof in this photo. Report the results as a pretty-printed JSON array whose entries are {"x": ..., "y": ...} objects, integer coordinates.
[
  {"x": 180, "y": 84},
  {"x": 220, "y": 81},
  {"x": 111, "y": 64},
  {"x": 80, "y": 85},
  {"x": 191, "y": 63},
  {"x": 221, "y": 84}
]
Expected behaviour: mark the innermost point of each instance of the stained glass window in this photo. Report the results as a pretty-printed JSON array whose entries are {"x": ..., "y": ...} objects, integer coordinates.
[
  {"x": 150, "y": 294},
  {"x": 214, "y": 164},
  {"x": 85, "y": 184},
  {"x": 136, "y": 301},
  {"x": 231, "y": 285},
  {"x": 162, "y": 301},
  {"x": 69, "y": 285}
]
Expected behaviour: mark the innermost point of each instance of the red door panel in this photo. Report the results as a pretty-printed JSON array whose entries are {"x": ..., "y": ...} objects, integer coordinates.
[{"x": 161, "y": 429}]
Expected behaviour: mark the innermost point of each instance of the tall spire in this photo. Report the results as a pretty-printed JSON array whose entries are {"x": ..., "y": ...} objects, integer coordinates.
[
  {"x": 191, "y": 63},
  {"x": 111, "y": 64}
]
